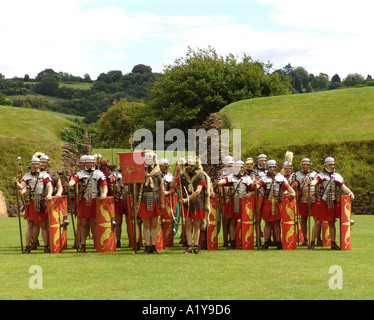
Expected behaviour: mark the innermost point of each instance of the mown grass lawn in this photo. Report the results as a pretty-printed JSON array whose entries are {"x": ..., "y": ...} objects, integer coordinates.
[{"x": 214, "y": 275}]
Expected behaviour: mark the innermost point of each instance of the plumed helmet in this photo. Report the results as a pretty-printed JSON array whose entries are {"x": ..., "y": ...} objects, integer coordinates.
[
  {"x": 287, "y": 164},
  {"x": 44, "y": 158},
  {"x": 271, "y": 163},
  {"x": 329, "y": 160}
]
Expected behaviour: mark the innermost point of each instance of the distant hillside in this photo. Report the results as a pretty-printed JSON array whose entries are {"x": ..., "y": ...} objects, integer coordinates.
[
  {"x": 338, "y": 123},
  {"x": 24, "y": 132}
]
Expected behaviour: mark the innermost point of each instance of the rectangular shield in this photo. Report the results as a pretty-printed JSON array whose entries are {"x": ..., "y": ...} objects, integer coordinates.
[
  {"x": 56, "y": 209},
  {"x": 248, "y": 210},
  {"x": 345, "y": 223},
  {"x": 288, "y": 234},
  {"x": 105, "y": 237},
  {"x": 212, "y": 229}
]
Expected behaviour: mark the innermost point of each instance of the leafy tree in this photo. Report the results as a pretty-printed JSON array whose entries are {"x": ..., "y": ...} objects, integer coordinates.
[
  {"x": 141, "y": 68},
  {"x": 4, "y": 101},
  {"x": 121, "y": 120},
  {"x": 204, "y": 82},
  {"x": 47, "y": 73},
  {"x": 353, "y": 79},
  {"x": 320, "y": 82},
  {"x": 48, "y": 86}
]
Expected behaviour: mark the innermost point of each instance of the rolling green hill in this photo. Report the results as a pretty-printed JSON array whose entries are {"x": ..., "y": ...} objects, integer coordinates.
[
  {"x": 338, "y": 123},
  {"x": 24, "y": 132}
]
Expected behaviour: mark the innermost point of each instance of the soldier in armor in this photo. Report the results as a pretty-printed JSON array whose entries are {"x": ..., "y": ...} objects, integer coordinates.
[
  {"x": 274, "y": 185},
  {"x": 326, "y": 207},
  {"x": 306, "y": 194},
  {"x": 57, "y": 191},
  {"x": 121, "y": 192},
  {"x": 224, "y": 191},
  {"x": 152, "y": 200},
  {"x": 240, "y": 186},
  {"x": 94, "y": 185},
  {"x": 196, "y": 198},
  {"x": 38, "y": 185}
]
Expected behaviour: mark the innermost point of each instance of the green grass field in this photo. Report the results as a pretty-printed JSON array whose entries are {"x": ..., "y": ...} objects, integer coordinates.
[{"x": 224, "y": 274}]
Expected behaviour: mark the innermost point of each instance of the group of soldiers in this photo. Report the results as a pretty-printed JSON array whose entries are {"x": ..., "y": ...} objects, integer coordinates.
[{"x": 316, "y": 195}]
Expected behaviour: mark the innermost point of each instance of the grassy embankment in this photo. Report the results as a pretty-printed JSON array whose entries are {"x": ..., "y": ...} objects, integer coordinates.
[{"x": 338, "y": 123}]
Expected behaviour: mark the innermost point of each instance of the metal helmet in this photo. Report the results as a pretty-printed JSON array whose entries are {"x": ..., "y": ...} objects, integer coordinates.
[
  {"x": 287, "y": 164},
  {"x": 249, "y": 160},
  {"x": 35, "y": 160},
  {"x": 262, "y": 157},
  {"x": 90, "y": 158},
  {"x": 271, "y": 163},
  {"x": 163, "y": 162},
  {"x": 239, "y": 163},
  {"x": 329, "y": 160},
  {"x": 181, "y": 160},
  {"x": 44, "y": 158},
  {"x": 306, "y": 161},
  {"x": 228, "y": 160},
  {"x": 83, "y": 158}
]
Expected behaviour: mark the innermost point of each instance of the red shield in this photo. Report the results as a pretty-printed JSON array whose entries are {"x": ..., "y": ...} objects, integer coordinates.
[
  {"x": 345, "y": 223},
  {"x": 212, "y": 232},
  {"x": 106, "y": 239},
  {"x": 288, "y": 223},
  {"x": 56, "y": 209},
  {"x": 248, "y": 211},
  {"x": 132, "y": 167},
  {"x": 326, "y": 238}
]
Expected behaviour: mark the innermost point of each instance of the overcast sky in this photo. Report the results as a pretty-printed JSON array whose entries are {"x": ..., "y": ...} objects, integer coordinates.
[{"x": 92, "y": 36}]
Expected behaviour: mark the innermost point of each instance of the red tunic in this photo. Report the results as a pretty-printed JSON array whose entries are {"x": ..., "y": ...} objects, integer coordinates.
[
  {"x": 272, "y": 210},
  {"x": 30, "y": 212},
  {"x": 320, "y": 208},
  {"x": 88, "y": 211},
  {"x": 195, "y": 214}
]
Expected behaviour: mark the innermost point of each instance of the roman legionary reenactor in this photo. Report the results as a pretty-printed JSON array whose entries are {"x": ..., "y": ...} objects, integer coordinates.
[
  {"x": 274, "y": 184},
  {"x": 94, "y": 185},
  {"x": 38, "y": 186},
  {"x": 196, "y": 198},
  {"x": 152, "y": 200},
  {"x": 287, "y": 167},
  {"x": 121, "y": 192},
  {"x": 305, "y": 192},
  {"x": 225, "y": 192},
  {"x": 326, "y": 207},
  {"x": 241, "y": 186}
]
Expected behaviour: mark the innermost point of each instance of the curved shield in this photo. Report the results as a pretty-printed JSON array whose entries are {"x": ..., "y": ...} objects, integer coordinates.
[
  {"x": 345, "y": 223},
  {"x": 248, "y": 210},
  {"x": 288, "y": 223},
  {"x": 56, "y": 209},
  {"x": 106, "y": 239}
]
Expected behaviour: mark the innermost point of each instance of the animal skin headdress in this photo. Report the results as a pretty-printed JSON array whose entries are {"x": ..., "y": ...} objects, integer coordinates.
[{"x": 156, "y": 168}]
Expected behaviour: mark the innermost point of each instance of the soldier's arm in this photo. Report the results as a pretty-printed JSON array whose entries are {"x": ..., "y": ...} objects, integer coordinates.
[
  {"x": 347, "y": 191},
  {"x": 49, "y": 191}
]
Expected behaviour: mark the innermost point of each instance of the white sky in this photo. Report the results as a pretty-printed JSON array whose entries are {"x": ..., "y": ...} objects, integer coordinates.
[{"x": 82, "y": 36}]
